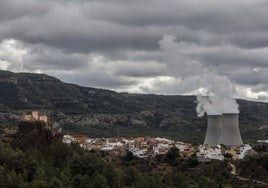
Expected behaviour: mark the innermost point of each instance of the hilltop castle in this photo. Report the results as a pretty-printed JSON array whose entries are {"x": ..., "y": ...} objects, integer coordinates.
[{"x": 34, "y": 117}]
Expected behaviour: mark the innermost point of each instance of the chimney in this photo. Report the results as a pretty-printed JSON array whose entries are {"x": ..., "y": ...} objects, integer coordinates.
[
  {"x": 214, "y": 128},
  {"x": 230, "y": 135}
]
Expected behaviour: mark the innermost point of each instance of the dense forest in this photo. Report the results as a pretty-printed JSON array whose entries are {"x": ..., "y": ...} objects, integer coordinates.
[{"x": 61, "y": 165}]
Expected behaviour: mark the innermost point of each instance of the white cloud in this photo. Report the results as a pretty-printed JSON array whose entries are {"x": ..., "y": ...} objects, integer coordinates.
[
  {"x": 115, "y": 44},
  {"x": 11, "y": 55}
]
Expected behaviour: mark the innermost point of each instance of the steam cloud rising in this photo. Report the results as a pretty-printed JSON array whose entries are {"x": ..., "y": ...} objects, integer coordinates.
[{"x": 216, "y": 96}]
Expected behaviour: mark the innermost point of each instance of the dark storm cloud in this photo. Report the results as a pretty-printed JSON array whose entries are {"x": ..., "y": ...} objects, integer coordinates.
[
  {"x": 98, "y": 25},
  {"x": 74, "y": 32},
  {"x": 251, "y": 77},
  {"x": 138, "y": 69},
  {"x": 52, "y": 59},
  {"x": 115, "y": 43},
  {"x": 98, "y": 79},
  {"x": 11, "y": 10},
  {"x": 230, "y": 56},
  {"x": 193, "y": 14}
]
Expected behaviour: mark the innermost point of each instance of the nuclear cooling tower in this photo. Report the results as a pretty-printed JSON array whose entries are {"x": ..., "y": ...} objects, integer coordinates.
[
  {"x": 230, "y": 135},
  {"x": 214, "y": 128}
]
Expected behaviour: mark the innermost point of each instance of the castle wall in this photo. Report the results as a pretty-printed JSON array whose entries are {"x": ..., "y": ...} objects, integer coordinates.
[{"x": 35, "y": 116}]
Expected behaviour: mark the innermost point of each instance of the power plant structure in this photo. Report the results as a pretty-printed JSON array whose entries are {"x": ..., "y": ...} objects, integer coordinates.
[
  {"x": 214, "y": 130},
  {"x": 223, "y": 129}
]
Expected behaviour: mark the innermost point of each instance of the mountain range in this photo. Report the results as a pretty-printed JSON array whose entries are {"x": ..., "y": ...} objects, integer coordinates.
[{"x": 103, "y": 113}]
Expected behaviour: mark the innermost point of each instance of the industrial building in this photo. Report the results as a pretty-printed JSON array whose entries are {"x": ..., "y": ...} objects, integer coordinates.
[{"x": 223, "y": 129}]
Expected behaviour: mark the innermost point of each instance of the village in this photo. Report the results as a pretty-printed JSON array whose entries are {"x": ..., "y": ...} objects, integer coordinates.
[{"x": 147, "y": 147}]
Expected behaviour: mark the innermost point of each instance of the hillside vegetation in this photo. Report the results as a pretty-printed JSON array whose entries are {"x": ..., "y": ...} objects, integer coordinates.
[
  {"x": 99, "y": 112},
  {"x": 60, "y": 165}
]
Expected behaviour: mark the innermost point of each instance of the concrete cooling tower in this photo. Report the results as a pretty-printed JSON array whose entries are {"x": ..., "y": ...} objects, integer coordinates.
[
  {"x": 214, "y": 127},
  {"x": 230, "y": 134}
]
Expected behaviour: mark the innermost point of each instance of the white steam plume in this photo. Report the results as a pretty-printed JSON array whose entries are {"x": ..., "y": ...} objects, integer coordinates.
[{"x": 184, "y": 64}]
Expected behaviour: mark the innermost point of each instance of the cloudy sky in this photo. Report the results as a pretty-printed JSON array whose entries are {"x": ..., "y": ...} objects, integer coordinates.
[{"x": 142, "y": 46}]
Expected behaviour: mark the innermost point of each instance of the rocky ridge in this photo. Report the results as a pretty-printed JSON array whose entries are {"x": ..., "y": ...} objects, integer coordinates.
[{"x": 100, "y": 112}]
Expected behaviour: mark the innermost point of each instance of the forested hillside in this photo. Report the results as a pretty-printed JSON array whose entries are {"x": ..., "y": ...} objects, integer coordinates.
[
  {"x": 99, "y": 112},
  {"x": 60, "y": 165}
]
